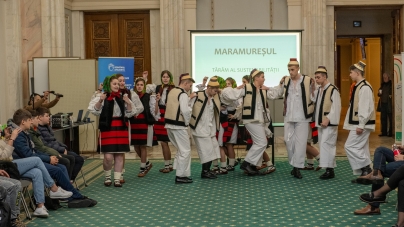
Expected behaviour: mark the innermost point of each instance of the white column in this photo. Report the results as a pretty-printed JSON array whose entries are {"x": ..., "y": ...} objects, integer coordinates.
[
  {"x": 155, "y": 45},
  {"x": 78, "y": 40},
  {"x": 10, "y": 59},
  {"x": 314, "y": 35},
  {"x": 53, "y": 28},
  {"x": 172, "y": 36}
]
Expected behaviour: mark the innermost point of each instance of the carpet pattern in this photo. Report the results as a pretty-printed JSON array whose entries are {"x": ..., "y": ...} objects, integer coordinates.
[{"x": 234, "y": 199}]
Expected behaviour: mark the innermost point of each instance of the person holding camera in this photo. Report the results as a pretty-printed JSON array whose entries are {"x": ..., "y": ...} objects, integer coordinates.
[{"x": 36, "y": 100}]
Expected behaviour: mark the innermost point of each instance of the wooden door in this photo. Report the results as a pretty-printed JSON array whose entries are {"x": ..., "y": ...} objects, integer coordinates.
[{"x": 120, "y": 35}]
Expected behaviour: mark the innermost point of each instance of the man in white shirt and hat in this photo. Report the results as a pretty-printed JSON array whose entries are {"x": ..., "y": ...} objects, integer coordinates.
[
  {"x": 177, "y": 116},
  {"x": 205, "y": 124},
  {"x": 360, "y": 121},
  {"x": 327, "y": 114}
]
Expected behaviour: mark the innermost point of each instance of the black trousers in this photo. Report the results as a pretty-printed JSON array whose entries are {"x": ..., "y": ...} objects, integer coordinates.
[
  {"x": 386, "y": 118},
  {"x": 76, "y": 163},
  {"x": 396, "y": 180}
]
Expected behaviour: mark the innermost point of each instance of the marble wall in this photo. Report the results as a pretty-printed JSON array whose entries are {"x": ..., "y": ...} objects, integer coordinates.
[
  {"x": 31, "y": 34},
  {"x": 10, "y": 44}
]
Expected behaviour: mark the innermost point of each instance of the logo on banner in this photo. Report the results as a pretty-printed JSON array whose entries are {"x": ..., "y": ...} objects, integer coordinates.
[{"x": 113, "y": 68}]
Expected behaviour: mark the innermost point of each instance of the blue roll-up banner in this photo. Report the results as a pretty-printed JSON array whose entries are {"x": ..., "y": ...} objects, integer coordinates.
[{"x": 108, "y": 66}]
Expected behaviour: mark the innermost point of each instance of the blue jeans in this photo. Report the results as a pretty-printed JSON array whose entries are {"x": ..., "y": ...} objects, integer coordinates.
[
  {"x": 383, "y": 160},
  {"x": 13, "y": 188},
  {"x": 59, "y": 173},
  {"x": 34, "y": 169}
]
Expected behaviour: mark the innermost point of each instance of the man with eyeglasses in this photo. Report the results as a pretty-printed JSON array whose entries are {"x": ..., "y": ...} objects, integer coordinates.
[{"x": 327, "y": 114}]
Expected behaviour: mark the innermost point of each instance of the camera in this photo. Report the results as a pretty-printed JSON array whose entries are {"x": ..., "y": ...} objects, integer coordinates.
[{"x": 57, "y": 94}]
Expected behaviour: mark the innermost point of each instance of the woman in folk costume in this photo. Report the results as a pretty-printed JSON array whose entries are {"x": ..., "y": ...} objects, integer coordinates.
[
  {"x": 112, "y": 108},
  {"x": 228, "y": 132},
  {"x": 204, "y": 124},
  {"x": 142, "y": 133},
  {"x": 255, "y": 117},
  {"x": 161, "y": 133}
]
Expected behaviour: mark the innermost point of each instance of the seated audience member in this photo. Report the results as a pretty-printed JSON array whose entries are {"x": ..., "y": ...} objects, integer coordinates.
[
  {"x": 49, "y": 140},
  {"x": 12, "y": 197},
  {"x": 37, "y": 101},
  {"x": 67, "y": 160},
  {"x": 24, "y": 148},
  {"x": 384, "y": 165},
  {"x": 34, "y": 169},
  {"x": 396, "y": 180}
]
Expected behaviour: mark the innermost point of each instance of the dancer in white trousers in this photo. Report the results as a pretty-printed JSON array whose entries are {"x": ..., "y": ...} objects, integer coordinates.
[
  {"x": 254, "y": 116},
  {"x": 298, "y": 109},
  {"x": 360, "y": 121},
  {"x": 177, "y": 116},
  {"x": 327, "y": 114},
  {"x": 205, "y": 124}
]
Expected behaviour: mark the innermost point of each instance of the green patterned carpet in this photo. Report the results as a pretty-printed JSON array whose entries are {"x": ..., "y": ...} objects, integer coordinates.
[{"x": 277, "y": 199}]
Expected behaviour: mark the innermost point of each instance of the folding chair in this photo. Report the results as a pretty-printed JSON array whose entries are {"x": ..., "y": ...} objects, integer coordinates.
[
  {"x": 25, "y": 183},
  {"x": 82, "y": 175}
]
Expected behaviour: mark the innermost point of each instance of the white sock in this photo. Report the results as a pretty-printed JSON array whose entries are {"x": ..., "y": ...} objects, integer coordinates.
[
  {"x": 171, "y": 162},
  {"x": 310, "y": 161},
  {"x": 215, "y": 163},
  {"x": 107, "y": 173},
  {"x": 232, "y": 161},
  {"x": 117, "y": 175},
  {"x": 317, "y": 157},
  {"x": 269, "y": 163},
  {"x": 223, "y": 164},
  {"x": 142, "y": 165},
  {"x": 166, "y": 162},
  {"x": 260, "y": 161}
]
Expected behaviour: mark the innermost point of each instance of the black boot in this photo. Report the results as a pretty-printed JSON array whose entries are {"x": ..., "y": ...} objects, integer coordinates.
[
  {"x": 296, "y": 173},
  {"x": 329, "y": 173},
  {"x": 366, "y": 170},
  {"x": 248, "y": 168},
  {"x": 206, "y": 173}
]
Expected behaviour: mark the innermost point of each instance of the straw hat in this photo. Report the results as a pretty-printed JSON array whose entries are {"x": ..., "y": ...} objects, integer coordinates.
[
  {"x": 213, "y": 82},
  {"x": 293, "y": 61},
  {"x": 321, "y": 69},
  {"x": 187, "y": 77},
  {"x": 360, "y": 65}
]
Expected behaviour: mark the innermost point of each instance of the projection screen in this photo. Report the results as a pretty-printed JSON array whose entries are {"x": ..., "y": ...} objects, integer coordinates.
[{"x": 234, "y": 54}]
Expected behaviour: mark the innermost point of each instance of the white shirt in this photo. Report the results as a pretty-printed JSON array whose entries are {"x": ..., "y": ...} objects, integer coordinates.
[
  {"x": 207, "y": 123},
  {"x": 233, "y": 94},
  {"x": 294, "y": 104},
  {"x": 136, "y": 109},
  {"x": 365, "y": 109},
  {"x": 163, "y": 97},
  {"x": 335, "y": 111}
]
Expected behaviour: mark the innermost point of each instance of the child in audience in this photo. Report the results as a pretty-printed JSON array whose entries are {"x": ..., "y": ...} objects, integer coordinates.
[
  {"x": 34, "y": 169},
  {"x": 24, "y": 148},
  {"x": 49, "y": 140},
  {"x": 67, "y": 160}
]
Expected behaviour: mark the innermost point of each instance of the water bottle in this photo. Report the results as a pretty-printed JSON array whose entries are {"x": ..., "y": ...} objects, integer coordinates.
[{"x": 396, "y": 151}]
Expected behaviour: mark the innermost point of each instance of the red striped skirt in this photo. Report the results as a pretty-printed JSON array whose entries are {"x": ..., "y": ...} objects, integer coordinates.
[
  {"x": 116, "y": 139},
  {"x": 159, "y": 130},
  {"x": 139, "y": 129}
]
